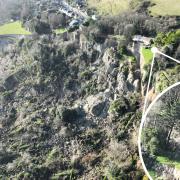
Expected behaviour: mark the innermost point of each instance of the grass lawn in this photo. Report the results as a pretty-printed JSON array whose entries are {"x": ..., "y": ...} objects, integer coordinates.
[
  {"x": 112, "y": 7},
  {"x": 148, "y": 56},
  {"x": 165, "y": 7},
  {"x": 60, "y": 30},
  {"x": 167, "y": 161},
  {"x": 13, "y": 28}
]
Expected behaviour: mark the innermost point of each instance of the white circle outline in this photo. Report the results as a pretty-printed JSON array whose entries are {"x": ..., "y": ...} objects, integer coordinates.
[{"x": 141, "y": 126}]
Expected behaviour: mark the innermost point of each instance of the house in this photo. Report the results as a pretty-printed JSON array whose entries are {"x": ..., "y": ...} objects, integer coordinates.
[
  {"x": 94, "y": 17},
  {"x": 142, "y": 39}
]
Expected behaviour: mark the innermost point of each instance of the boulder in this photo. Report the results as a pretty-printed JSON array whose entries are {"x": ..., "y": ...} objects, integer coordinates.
[
  {"x": 95, "y": 105},
  {"x": 10, "y": 82},
  {"x": 109, "y": 60},
  {"x": 136, "y": 85},
  {"x": 122, "y": 85},
  {"x": 97, "y": 108},
  {"x": 130, "y": 77},
  {"x": 65, "y": 132}
]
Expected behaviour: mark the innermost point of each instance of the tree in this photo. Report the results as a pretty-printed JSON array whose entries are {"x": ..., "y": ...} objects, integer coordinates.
[
  {"x": 54, "y": 20},
  {"x": 39, "y": 27},
  {"x": 170, "y": 115},
  {"x": 26, "y": 11},
  {"x": 161, "y": 122},
  {"x": 177, "y": 54},
  {"x": 129, "y": 31},
  {"x": 165, "y": 116}
]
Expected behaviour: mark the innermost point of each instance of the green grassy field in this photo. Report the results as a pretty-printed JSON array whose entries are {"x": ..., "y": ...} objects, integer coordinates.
[
  {"x": 13, "y": 28},
  {"x": 167, "y": 161},
  {"x": 114, "y": 7},
  {"x": 148, "y": 56},
  {"x": 165, "y": 7}
]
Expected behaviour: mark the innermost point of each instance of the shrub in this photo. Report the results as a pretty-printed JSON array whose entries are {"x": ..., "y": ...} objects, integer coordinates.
[
  {"x": 154, "y": 145},
  {"x": 106, "y": 26},
  {"x": 153, "y": 140},
  {"x": 90, "y": 87},
  {"x": 6, "y": 157},
  {"x": 93, "y": 139},
  {"x": 163, "y": 39},
  {"x": 133, "y": 100},
  {"x": 57, "y": 20},
  {"x": 42, "y": 27},
  {"x": 86, "y": 75},
  {"x": 68, "y": 115},
  {"x": 121, "y": 135},
  {"x": 177, "y": 53},
  {"x": 119, "y": 107},
  {"x": 53, "y": 154},
  {"x": 67, "y": 174},
  {"x": 113, "y": 172},
  {"x": 69, "y": 49},
  {"x": 39, "y": 172}
]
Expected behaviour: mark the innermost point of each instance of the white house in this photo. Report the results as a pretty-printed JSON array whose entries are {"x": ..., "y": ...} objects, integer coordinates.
[{"x": 145, "y": 40}]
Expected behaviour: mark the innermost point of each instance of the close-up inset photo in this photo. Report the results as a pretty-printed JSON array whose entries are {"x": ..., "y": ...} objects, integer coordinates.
[{"x": 160, "y": 136}]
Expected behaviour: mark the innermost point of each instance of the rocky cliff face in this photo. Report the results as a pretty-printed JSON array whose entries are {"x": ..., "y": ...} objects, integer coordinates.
[{"x": 67, "y": 112}]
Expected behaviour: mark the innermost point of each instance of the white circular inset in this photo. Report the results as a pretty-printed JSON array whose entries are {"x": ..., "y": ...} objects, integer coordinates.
[{"x": 149, "y": 120}]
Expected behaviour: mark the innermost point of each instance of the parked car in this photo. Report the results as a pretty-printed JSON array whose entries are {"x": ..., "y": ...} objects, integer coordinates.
[
  {"x": 74, "y": 22},
  {"x": 73, "y": 25}
]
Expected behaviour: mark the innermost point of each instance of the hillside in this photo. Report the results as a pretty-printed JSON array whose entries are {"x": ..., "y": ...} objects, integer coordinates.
[
  {"x": 71, "y": 94},
  {"x": 60, "y": 116},
  {"x": 67, "y": 111}
]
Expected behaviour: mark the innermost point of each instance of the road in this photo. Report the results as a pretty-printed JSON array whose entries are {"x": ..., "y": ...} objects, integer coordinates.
[
  {"x": 68, "y": 9},
  {"x": 9, "y": 39},
  {"x": 137, "y": 49}
]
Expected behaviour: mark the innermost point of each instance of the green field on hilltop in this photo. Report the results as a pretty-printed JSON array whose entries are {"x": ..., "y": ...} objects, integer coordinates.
[
  {"x": 114, "y": 7},
  {"x": 165, "y": 7},
  {"x": 13, "y": 28}
]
